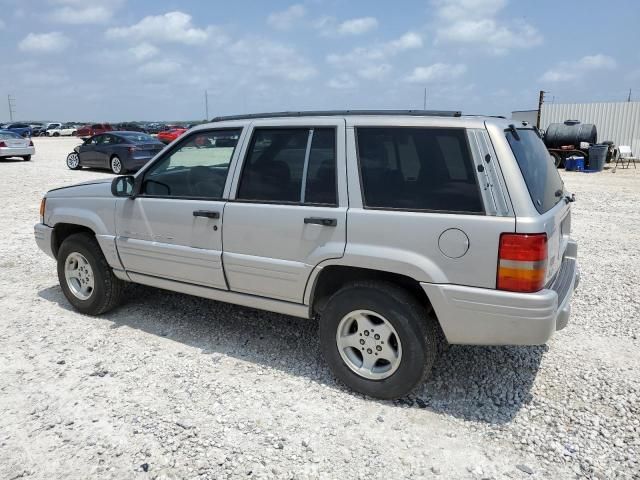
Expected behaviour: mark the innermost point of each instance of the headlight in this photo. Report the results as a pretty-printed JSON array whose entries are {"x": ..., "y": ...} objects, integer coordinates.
[{"x": 43, "y": 203}]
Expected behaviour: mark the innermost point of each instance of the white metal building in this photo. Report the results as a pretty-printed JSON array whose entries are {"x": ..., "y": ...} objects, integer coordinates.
[{"x": 618, "y": 122}]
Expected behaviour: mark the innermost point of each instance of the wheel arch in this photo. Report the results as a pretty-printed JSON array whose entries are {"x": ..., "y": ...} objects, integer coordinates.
[
  {"x": 332, "y": 278},
  {"x": 62, "y": 231}
]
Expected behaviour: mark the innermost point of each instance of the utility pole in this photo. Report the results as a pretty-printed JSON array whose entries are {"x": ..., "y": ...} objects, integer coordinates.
[
  {"x": 540, "y": 102},
  {"x": 629, "y": 97},
  {"x": 11, "y": 100},
  {"x": 424, "y": 103},
  {"x": 206, "y": 105}
]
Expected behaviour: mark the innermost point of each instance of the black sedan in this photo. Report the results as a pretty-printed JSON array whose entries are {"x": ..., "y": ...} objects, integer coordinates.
[{"x": 119, "y": 152}]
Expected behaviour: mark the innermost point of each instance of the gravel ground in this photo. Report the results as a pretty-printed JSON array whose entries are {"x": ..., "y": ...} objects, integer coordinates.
[{"x": 170, "y": 386}]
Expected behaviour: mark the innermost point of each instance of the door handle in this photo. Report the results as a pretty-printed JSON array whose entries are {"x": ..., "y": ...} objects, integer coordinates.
[
  {"x": 206, "y": 213},
  {"x": 327, "y": 222}
]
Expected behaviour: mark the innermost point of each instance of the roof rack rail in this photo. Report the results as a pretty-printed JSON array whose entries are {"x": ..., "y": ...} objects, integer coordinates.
[{"x": 327, "y": 113}]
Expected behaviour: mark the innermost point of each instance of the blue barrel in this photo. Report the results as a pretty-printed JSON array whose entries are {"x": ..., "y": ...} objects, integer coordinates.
[{"x": 597, "y": 157}]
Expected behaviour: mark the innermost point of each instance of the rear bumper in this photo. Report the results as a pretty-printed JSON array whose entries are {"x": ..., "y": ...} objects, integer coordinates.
[
  {"x": 43, "y": 235},
  {"x": 16, "y": 151},
  {"x": 478, "y": 316}
]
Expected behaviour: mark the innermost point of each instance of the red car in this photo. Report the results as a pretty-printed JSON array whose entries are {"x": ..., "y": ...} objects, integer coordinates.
[
  {"x": 169, "y": 136},
  {"x": 94, "y": 129}
]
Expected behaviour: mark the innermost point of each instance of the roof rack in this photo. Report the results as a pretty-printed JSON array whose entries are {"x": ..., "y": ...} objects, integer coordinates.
[{"x": 331, "y": 113}]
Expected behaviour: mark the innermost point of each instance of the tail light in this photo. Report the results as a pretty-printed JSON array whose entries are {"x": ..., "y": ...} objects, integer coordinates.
[
  {"x": 2, "y": 144},
  {"x": 43, "y": 203},
  {"x": 522, "y": 262}
]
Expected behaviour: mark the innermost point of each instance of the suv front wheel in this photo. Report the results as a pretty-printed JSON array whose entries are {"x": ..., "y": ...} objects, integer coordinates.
[
  {"x": 85, "y": 276},
  {"x": 378, "y": 339}
]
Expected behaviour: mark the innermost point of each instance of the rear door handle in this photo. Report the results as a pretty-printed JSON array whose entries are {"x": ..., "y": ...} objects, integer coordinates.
[
  {"x": 206, "y": 213},
  {"x": 327, "y": 222}
]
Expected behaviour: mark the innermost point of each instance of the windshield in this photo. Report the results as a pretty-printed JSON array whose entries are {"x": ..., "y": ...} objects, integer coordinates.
[
  {"x": 537, "y": 167},
  {"x": 136, "y": 137}
]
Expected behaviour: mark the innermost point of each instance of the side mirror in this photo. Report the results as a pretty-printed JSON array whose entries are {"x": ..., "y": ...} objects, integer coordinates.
[{"x": 123, "y": 186}]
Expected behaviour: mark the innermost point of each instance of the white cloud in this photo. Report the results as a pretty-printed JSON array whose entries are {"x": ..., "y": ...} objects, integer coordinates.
[
  {"x": 143, "y": 51},
  {"x": 159, "y": 68},
  {"x": 172, "y": 27},
  {"x": 287, "y": 18},
  {"x": 82, "y": 15},
  {"x": 44, "y": 42},
  {"x": 357, "y": 26},
  {"x": 359, "y": 55},
  {"x": 373, "y": 72},
  {"x": 475, "y": 23},
  {"x": 568, "y": 71},
  {"x": 597, "y": 62},
  {"x": 436, "y": 72},
  {"x": 342, "y": 82},
  {"x": 271, "y": 59}
]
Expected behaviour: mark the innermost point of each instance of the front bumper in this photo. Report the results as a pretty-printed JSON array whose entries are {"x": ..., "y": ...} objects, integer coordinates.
[
  {"x": 43, "y": 234},
  {"x": 479, "y": 316},
  {"x": 16, "y": 151}
]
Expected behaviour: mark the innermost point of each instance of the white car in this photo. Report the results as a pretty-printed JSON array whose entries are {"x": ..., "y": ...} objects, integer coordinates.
[
  {"x": 13, "y": 145},
  {"x": 65, "y": 130}
]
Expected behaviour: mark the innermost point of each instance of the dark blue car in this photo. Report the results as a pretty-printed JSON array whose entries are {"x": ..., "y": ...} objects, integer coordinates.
[
  {"x": 21, "y": 129},
  {"x": 119, "y": 152}
]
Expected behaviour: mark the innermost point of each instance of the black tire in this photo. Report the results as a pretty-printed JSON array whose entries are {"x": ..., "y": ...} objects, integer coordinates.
[
  {"x": 108, "y": 289},
  {"x": 416, "y": 328},
  {"x": 26, "y": 158},
  {"x": 115, "y": 160},
  {"x": 71, "y": 163},
  {"x": 56, "y": 134}
]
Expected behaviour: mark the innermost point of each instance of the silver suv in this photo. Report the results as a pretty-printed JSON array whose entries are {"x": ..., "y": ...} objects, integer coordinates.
[{"x": 396, "y": 230}]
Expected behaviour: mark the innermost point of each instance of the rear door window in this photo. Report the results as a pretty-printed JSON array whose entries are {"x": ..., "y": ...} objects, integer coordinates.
[
  {"x": 538, "y": 169},
  {"x": 292, "y": 165},
  {"x": 413, "y": 168}
]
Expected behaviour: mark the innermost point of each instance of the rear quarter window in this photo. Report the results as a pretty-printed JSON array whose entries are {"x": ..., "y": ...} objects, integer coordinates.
[
  {"x": 538, "y": 169},
  {"x": 411, "y": 168}
]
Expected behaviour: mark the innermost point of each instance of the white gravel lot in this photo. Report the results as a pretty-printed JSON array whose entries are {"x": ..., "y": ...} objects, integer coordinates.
[{"x": 170, "y": 386}]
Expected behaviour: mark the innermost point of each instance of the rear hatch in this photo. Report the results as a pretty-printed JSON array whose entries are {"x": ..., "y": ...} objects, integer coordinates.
[{"x": 547, "y": 193}]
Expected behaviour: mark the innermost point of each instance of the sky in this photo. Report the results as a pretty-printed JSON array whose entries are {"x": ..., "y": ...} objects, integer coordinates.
[{"x": 154, "y": 59}]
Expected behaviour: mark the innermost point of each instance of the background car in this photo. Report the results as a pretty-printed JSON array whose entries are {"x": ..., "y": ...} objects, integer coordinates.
[
  {"x": 119, "y": 152},
  {"x": 65, "y": 130},
  {"x": 48, "y": 126},
  {"x": 36, "y": 129},
  {"x": 14, "y": 145},
  {"x": 21, "y": 129},
  {"x": 93, "y": 129},
  {"x": 156, "y": 127},
  {"x": 130, "y": 127},
  {"x": 169, "y": 136}
]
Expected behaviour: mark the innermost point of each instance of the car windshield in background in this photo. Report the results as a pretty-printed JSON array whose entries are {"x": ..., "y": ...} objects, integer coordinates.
[
  {"x": 537, "y": 167},
  {"x": 136, "y": 137},
  {"x": 8, "y": 135}
]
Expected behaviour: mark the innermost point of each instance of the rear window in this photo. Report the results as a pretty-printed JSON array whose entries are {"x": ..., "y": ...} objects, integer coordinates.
[
  {"x": 417, "y": 169},
  {"x": 537, "y": 167},
  {"x": 8, "y": 135},
  {"x": 135, "y": 137}
]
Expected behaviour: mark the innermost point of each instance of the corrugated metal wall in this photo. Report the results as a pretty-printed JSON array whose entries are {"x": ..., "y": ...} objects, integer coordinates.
[{"x": 618, "y": 122}]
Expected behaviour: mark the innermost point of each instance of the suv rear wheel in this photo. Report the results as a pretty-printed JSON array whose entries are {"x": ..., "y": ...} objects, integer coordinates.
[
  {"x": 378, "y": 339},
  {"x": 85, "y": 276}
]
